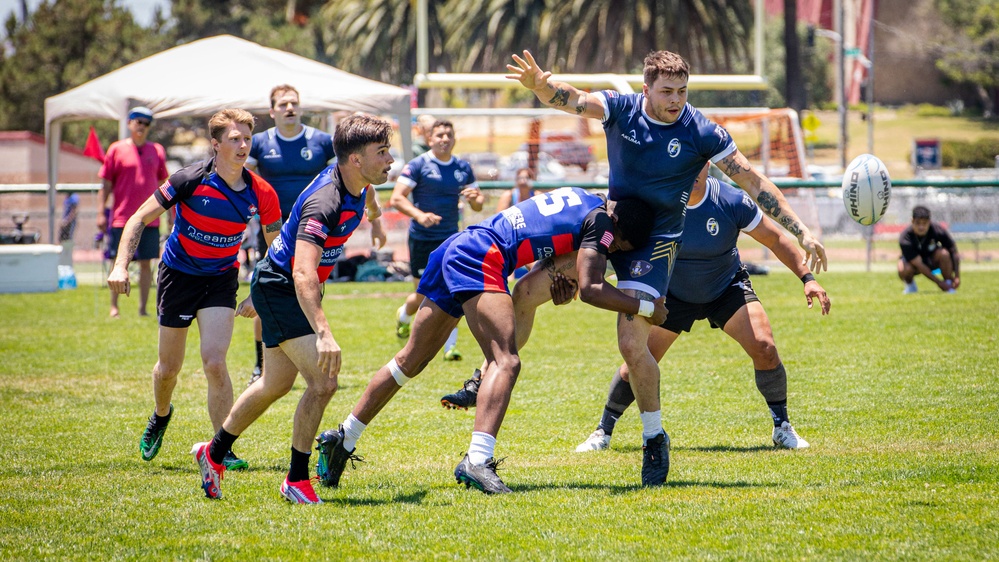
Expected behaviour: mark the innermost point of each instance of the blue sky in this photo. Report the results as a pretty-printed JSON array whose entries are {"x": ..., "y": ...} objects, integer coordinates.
[{"x": 142, "y": 10}]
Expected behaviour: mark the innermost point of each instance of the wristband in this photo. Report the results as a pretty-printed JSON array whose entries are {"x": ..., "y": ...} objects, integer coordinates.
[
  {"x": 807, "y": 277},
  {"x": 646, "y": 308}
]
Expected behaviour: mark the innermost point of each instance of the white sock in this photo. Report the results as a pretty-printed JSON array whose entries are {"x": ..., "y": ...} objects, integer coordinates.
[
  {"x": 652, "y": 424},
  {"x": 352, "y": 430},
  {"x": 402, "y": 316},
  {"x": 452, "y": 340},
  {"x": 482, "y": 448}
]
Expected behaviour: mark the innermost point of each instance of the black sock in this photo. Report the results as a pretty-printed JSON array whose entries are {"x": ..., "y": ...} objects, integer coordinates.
[
  {"x": 260, "y": 353},
  {"x": 221, "y": 444},
  {"x": 299, "y": 466},
  {"x": 778, "y": 410},
  {"x": 162, "y": 421},
  {"x": 619, "y": 397}
]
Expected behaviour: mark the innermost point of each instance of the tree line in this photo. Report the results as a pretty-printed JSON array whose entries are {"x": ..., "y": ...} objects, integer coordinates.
[{"x": 64, "y": 43}]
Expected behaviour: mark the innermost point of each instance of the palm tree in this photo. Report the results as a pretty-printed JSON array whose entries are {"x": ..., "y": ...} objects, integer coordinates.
[
  {"x": 377, "y": 38},
  {"x": 481, "y": 34},
  {"x": 615, "y": 35}
]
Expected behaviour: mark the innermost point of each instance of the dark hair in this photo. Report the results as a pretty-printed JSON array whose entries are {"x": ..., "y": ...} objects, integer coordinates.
[
  {"x": 357, "y": 131},
  {"x": 664, "y": 63},
  {"x": 920, "y": 212},
  {"x": 441, "y": 123},
  {"x": 635, "y": 219}
]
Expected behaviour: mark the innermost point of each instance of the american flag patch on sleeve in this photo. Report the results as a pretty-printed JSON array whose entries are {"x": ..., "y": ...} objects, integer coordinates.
[
  {"x": 607, "y": 239},
  {"x": 315, "y": 228}
]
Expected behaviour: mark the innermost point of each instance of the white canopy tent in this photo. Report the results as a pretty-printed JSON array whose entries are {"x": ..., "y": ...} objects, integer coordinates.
[{"x": 207, "y": 75}]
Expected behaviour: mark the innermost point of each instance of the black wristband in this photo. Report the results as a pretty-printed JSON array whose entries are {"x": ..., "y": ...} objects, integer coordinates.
[{"x": 807, "y": 277}]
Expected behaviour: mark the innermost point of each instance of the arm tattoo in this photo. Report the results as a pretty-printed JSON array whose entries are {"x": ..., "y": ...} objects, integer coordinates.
[
  {"x": 790, "y": 225},
  {"x": 548, "y": 264},
  {"x": 581, "y": 104},
  {"x": 560, "y": 99},
  {"x": 731, "y": 165},
  {"x": 134, "y": 238},
  {"x": 273, "y": 227},
  {"x": 769, "y": 204},
  {"x": 640, "y": 295}
]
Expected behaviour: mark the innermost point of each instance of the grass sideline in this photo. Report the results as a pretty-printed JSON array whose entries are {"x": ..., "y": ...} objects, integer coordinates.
[{"x": 898, "y": 396}]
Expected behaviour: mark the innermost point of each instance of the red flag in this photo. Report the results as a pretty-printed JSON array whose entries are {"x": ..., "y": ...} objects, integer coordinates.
[{"x": 93, "y": 148}]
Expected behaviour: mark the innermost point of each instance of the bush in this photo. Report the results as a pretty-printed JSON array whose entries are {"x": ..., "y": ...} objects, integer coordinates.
[
  {"x": 970, "y": 154},
  {"x": 930, "y": 110}
]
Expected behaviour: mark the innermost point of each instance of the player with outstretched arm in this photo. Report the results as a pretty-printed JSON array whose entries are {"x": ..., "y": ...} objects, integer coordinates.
[{"x": 657, "y": 143}]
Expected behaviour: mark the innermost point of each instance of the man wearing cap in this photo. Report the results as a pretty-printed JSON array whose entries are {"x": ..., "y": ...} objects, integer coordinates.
[
  {"x": 133, "y": 169},
  {"x": 928, "y": 249}
]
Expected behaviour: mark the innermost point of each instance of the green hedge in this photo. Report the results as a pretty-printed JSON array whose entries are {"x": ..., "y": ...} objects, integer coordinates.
[{"x": 974, "y": 154}]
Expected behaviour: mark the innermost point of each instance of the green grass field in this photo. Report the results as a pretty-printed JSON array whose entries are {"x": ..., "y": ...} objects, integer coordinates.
[{"x": 898, "y": 396}]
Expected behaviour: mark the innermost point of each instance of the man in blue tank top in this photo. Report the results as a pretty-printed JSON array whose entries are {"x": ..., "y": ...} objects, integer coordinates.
[
  {"x": 288, "y": 155},
  {"x": 656, "y": 145},
  {"x": 437, "y": 181},
  {"x": 467, "y": 276}
]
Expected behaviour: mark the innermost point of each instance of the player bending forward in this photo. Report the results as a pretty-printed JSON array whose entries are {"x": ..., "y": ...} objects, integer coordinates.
[{"x": 467, "y": 276}]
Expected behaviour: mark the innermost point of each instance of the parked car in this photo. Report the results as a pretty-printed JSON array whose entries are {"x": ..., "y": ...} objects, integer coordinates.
[
  {"x": 485, "y": 165},
  {"x": 566, "y": 147},
  {"x": 549, "y": 170}
]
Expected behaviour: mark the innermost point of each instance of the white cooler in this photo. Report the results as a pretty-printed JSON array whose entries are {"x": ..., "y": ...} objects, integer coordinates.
[{"x": 29, "y": 268}]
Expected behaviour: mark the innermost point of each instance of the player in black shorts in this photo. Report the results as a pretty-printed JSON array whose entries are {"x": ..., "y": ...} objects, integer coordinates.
[
  {"x": 927, "y": 246},
  {"x": 198, "y": 280},
  {"x": 709, "y": 282}
]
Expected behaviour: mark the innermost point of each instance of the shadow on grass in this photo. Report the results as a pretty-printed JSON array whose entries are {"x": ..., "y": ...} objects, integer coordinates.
[
  {"x": 709, "y": 449},
  {"x": 252, "y": 469},
  {"x": 414, "y": 498},
  {"x": 632, "y": 487}
]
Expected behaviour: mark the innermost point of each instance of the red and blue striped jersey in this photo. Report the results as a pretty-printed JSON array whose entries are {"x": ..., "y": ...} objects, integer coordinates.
[
  {"x": 325, "y": 214},
  {"x": 211, "y": 217}
]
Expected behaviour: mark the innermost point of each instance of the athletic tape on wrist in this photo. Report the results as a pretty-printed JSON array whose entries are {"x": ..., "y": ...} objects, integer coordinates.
[
  {"x": 807, "y": 277},
  {"x": 646, "y": 308},
  {"x": 397, "y": 374}
]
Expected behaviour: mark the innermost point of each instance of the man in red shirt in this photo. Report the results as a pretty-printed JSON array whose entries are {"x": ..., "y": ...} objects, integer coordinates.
[{"x": 133, "y": 169}]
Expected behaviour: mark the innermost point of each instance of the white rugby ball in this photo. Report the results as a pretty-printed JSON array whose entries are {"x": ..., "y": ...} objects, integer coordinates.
[{"x": 866, "y": 189}]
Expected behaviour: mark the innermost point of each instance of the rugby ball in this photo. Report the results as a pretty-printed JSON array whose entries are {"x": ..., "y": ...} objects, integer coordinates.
[{"x": 866, "y": 189}]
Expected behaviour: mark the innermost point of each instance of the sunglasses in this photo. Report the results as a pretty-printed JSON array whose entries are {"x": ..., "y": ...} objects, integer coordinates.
[{"x": 143, "y": 122}]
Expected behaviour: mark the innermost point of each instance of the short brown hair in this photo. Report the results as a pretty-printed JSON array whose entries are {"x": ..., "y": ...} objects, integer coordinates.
[
  {"x": 221, "y": 121},
  {"x": 357, "y": 131},
  {"x": 664, "y": 63},
  {"x": 276, "y": 91}
]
